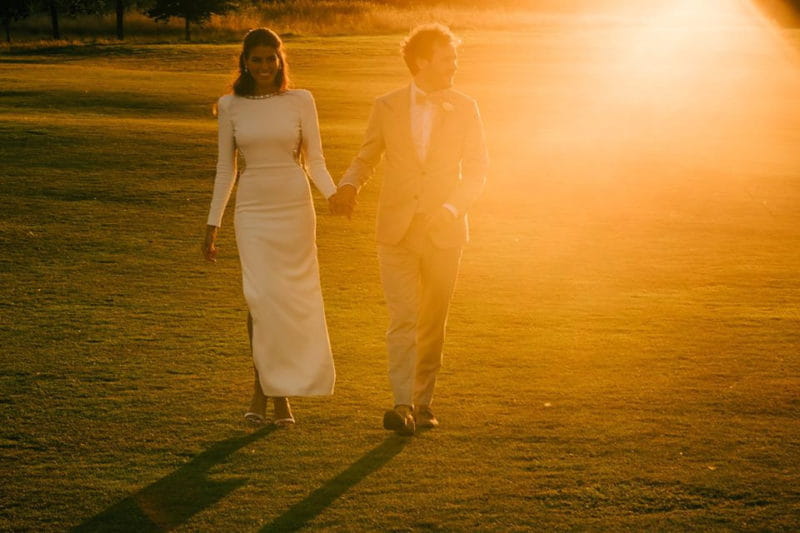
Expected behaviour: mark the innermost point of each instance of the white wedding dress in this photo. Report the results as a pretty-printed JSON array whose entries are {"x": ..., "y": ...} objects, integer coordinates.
[{"x": 275, "y": 227}]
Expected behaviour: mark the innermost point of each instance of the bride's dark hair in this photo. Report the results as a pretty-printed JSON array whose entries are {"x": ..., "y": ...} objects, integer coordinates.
[{"x": 245, "y": 85}]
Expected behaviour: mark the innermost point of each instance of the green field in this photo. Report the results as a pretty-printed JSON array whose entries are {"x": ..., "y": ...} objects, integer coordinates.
[{"x": 623, "y": 343}]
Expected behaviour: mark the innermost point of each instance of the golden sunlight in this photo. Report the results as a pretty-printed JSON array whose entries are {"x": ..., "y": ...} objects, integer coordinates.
[
  {"x": 709, "y": 86},
  {"x": 709, "y": 80}
]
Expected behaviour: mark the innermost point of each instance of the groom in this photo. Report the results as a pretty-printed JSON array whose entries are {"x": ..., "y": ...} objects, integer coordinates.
[{"x": 435, "y": 167}]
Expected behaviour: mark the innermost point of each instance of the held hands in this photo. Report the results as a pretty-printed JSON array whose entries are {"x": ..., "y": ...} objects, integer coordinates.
[
  {"x": 343, "y": 201},
  {"x": 210, "y": 244}
]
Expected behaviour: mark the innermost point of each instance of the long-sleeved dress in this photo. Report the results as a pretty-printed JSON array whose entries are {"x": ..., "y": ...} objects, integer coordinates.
[{"x": 275, "y": 227}]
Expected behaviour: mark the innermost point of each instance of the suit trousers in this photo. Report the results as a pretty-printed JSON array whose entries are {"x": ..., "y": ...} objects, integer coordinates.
[{"x": 418, "y": 280}]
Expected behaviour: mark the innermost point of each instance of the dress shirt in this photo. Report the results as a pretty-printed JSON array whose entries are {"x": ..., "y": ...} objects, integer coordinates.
[
  {"x": 422, "y": 114},
  {"x": 421, "y": 120}
]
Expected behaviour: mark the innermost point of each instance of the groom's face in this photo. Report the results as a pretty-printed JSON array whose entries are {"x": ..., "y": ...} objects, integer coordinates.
[{"x": 440, "y": 69}]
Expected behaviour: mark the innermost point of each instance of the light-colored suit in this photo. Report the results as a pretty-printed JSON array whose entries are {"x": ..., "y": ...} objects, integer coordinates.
[{"x": 419, "y": 262}]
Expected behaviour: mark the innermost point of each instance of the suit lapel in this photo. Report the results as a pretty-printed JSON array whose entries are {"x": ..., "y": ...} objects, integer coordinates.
[
  {"x": 438, "y": 127},
  {"x": 403, "y": 117}
]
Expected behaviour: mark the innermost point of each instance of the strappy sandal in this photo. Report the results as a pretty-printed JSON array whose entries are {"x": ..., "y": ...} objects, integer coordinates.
[
  {"x": 285, "y": 421},
  {"x": 255, "y": 418},
  {"x": 256, "y": 413}
]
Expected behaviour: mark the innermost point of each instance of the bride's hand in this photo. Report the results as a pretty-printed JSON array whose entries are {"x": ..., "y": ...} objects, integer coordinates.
[
  {"x": 210, "y": 244},
  {"x": 343, "y": 201}
]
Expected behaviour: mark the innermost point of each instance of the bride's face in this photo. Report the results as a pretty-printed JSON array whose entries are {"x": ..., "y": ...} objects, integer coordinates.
[{"x": 263, "y": 64}]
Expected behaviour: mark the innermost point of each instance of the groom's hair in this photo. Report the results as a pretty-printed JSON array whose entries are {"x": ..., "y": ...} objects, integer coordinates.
[{"x": 420, "y": 41}]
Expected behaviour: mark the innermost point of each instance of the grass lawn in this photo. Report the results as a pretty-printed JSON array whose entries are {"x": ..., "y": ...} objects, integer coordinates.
[{"x": 623, "y": 343}]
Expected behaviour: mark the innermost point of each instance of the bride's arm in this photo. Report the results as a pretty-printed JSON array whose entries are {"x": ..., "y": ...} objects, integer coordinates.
[
  {"x": 224, "y": 179},
  {"x": 226, "y": 163},
  {"x": 311, "y": 146}
]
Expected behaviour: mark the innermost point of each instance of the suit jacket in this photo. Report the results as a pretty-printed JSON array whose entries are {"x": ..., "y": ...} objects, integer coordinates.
[{"x": 453, "y": 172}]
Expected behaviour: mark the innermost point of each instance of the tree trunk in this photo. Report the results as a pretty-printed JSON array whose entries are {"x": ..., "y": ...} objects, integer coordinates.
[
  {"x": 7, "y": 27},
  {"x": 120, "y": 19},
  {"x": 54, "y": 20},
  {"x": 188, "y": 35}
]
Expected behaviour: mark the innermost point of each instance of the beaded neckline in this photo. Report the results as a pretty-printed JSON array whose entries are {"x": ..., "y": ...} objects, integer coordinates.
[{"x": 262, "y": 96}]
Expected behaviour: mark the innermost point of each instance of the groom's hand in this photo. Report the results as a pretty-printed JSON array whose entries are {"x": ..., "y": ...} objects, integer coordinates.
[
  {"x": 334, "y": 204},
  {"x": 343, "y": 201},
  {"x": 441, "y": 217}
]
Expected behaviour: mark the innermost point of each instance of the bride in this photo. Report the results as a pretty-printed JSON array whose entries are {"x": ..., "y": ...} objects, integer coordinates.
[{"x": 276, "y": 132}]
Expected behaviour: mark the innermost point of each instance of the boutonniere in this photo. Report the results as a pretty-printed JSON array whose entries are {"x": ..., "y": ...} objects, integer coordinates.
[{"x": 447, "y": 106}]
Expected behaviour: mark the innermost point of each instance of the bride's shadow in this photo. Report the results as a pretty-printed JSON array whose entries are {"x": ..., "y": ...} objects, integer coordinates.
[
  {"x": 298, "y": 515},
  {"x": 172, "y": 500}
]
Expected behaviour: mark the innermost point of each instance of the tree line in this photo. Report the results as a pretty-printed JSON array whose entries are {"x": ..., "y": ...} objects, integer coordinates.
[
  {"x": 200, "y": 11},
  {"x": 192, "y": 11}
]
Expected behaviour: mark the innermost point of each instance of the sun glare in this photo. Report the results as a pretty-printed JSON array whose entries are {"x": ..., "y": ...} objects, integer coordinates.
[{"x": 687, "y": 84}]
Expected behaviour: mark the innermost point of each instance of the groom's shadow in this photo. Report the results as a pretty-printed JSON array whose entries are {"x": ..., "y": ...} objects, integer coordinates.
[
  {"x": 298, "y": 515},
  {"x": 172, "y": 500}
]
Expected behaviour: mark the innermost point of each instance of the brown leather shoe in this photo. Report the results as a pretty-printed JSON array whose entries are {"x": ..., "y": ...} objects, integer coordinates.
[
  {"x": 425, "y": 418},
  {"x": 400, "y": 419}
]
